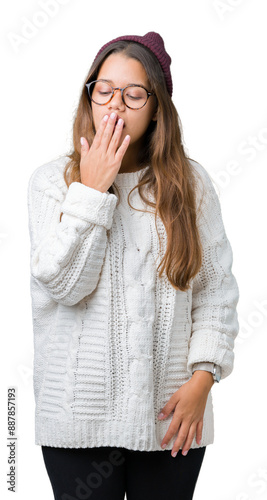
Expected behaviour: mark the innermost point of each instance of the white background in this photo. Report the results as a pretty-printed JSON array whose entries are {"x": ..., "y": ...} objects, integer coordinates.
[{"x": 218, "y": 52}]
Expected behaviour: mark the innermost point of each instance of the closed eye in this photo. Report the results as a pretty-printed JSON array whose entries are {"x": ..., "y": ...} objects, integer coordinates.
[{"x": 134, "y": 97}]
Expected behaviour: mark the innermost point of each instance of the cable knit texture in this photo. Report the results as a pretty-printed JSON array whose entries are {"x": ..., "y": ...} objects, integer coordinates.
[{"x": 112, "y": 340}]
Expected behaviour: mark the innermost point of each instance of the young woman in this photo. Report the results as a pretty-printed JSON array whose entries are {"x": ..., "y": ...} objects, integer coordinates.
[{"x": 133, "y": 298}]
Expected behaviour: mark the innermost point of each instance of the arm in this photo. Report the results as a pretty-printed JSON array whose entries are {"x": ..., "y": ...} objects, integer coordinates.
[
  {"x": 215, "y": 292},
  {"x": 67, "y": 256},
  {"x": 214, "y": 326}
]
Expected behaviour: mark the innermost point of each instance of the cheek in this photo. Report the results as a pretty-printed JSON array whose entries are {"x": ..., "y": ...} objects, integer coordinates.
[
  {"x": 96, "y": 117},
  {"x": 140, "y": 125}
]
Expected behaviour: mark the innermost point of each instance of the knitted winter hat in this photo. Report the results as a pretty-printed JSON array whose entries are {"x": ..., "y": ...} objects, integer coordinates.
[{"x": 155, "y": 43}]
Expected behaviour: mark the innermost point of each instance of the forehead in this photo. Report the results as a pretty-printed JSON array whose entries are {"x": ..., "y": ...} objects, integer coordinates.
[{"x": 122, "y": 70}]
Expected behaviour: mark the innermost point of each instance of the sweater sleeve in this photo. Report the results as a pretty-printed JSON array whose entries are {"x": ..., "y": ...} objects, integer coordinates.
[
  {"x": 67, "y": 255},
  {"x": 215, "y": 292}
]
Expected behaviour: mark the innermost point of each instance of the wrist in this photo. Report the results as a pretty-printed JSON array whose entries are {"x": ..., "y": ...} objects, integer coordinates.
[{"x": 204, "y": 378}]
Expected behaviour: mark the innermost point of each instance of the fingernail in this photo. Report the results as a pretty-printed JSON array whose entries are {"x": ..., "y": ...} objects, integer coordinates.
[
  {"x": 164, "y": 445},
  {"x": 82, "y": 141},
  {"x": 105, "y": 118},
  {"x": 120, "y": 122},
  {"x": 112, "y": 115},
  {"x": 174, "y": 454},
  {"x": 161, "y": 415},
  {"x": 185, "y": 453}
]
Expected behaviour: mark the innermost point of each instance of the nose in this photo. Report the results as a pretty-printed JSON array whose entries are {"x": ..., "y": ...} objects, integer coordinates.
[{"x": 116, "y": 101}]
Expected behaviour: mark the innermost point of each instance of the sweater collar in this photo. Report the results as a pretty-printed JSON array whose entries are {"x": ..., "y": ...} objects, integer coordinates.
[{"x": 129, "y": 179}]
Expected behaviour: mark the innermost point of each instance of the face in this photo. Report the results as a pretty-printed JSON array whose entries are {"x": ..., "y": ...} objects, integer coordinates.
[{"x": 120, "y": 71}]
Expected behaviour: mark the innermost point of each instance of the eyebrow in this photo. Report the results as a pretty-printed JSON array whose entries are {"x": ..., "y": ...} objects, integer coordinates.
[{"x": 110, "y": 81}]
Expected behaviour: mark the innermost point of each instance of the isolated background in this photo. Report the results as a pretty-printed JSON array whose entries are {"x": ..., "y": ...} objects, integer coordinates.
[{"x": 218, "y": 51}]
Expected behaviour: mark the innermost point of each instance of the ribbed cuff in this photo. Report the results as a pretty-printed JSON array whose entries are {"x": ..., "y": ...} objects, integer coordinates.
[
  {"x": 208, "y": 366},
  {"x": 89, "y": 204}
]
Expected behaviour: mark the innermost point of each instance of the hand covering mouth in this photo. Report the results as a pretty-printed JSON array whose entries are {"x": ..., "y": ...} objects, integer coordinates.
[{"x": 117, "y": 119}]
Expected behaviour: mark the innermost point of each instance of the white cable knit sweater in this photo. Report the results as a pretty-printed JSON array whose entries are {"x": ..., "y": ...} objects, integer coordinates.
[{"x": 112, "y": 341}]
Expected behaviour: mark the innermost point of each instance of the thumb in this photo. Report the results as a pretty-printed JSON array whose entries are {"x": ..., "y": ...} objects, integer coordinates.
[
  {"x": 84, "y": 146},
  {"x": 168, "y": 408}
]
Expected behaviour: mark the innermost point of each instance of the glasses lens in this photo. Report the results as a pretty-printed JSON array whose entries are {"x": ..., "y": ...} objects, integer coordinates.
[
  {"x": 135, "y": 97},
  {"x": 101, "y": 92}
]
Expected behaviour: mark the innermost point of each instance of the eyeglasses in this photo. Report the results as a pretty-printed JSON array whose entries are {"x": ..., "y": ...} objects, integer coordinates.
[{"x": 133, "y": 96}]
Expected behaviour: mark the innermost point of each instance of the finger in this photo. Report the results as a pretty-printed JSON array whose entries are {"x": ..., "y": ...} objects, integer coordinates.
[
  {"x": 107, "y": 133},
  {"x": 167, "y": 409},
  {"x": 199, "y": 432},
  {"x": 115, "y": 139},
  {"x": 189, "y": 440},
  {"x": 182, "y": 436},
  {"x": 123, "y": 148},
  {"x": 100, "y": 131},
  {"x": 172, "y": 430},
  {"x": 84, "y": 146}
]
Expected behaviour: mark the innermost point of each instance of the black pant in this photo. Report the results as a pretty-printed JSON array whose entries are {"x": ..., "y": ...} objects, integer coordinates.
[{"x": 107, "y": 473}]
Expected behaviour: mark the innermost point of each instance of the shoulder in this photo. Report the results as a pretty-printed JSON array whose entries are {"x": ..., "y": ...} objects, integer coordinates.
[
  {"x": 206, "y": 188},
  {"x": 203, "y": 175},
  {"x": 209, "y": 213},
  {"x": 49, "y": 178}
]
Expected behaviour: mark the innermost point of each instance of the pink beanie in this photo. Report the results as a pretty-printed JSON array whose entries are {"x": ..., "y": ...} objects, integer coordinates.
[{"x": 155, "y": 43}]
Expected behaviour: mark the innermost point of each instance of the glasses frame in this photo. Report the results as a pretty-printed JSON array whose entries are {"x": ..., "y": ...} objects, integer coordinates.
[{"x": 88, "y": 85}]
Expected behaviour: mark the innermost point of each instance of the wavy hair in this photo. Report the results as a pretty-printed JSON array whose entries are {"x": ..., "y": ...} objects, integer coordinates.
[{"x": 170, "y": 177}]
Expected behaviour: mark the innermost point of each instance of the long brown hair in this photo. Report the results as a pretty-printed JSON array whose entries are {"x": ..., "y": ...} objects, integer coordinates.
[{"x": 170, "y": 176}]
